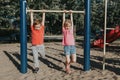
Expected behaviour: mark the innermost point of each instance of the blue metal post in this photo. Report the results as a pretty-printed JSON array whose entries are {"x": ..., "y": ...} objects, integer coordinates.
[
  {"x": 23, "y": 37},
  {"x": 87, "y": 36}
]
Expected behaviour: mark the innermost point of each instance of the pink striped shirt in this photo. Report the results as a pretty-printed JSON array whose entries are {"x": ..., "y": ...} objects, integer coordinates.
[{"x": 68, "y": 37}]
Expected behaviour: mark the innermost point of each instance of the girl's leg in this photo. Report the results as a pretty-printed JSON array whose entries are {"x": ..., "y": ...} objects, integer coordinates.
[
  {"x": 73, "y": 58},
  {"x": 73, "y": 54},
  {"x": 67, "y": 64}
]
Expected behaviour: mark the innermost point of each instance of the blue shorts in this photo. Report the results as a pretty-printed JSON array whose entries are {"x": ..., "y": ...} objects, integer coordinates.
[{"x": 69, "y": 50}]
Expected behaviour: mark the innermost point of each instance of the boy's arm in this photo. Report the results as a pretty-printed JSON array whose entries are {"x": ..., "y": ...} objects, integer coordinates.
[
  {"x": 63, "y": 19},
  {"x": 31, "y": 18},
  {"x": 43, "y": 18}
]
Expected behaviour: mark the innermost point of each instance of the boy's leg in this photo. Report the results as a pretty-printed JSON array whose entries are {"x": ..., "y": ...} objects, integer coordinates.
[
  {"x": 41, "y": 50},
  {"x": 35, "y": 56}
]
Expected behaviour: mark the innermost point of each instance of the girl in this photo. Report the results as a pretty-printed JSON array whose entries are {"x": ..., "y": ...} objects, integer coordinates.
[{"x": 68, "y": 42}]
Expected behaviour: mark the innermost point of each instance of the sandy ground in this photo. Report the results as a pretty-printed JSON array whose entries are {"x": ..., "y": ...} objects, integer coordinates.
[{"x": 52, "y": 67}]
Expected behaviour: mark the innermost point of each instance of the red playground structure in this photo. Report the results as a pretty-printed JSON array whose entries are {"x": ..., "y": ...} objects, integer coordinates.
[{"x": 111, "y": 36}]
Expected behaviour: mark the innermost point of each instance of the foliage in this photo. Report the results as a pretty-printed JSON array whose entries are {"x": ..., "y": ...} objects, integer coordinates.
[
  {"x": 9, "y": 10},
  {"x": 10, "y": 13},
  {"x": 98, "y": 12}
]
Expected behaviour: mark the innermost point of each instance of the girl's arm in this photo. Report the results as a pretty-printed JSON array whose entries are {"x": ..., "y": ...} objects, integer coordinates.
[
  {"x": 71, "y": 17},
  {"x": 43, "y": 18}
]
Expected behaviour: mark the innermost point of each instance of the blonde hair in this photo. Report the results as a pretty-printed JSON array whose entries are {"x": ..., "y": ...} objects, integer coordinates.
[{"x": 67, "y": 22}]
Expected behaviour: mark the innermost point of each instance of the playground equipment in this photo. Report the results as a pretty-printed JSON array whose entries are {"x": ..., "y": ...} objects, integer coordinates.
[
  {"x": 107, "y": 38},
  {"x": 23, "y": 32},
  {"x": 111, "y": 36},
  {"x": 49, "y": 11}
]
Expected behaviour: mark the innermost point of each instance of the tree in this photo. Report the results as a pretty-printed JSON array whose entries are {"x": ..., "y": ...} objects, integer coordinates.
[{"x": 8, "y": 10}]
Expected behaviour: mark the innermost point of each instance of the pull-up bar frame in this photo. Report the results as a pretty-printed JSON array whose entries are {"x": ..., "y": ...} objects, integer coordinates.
[
  {"x": 50, "y": 11},
  {"x": 23, "y": 36}
]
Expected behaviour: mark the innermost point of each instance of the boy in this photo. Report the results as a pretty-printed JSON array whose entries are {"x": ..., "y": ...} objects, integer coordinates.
[{"x": 38, "y": 41}]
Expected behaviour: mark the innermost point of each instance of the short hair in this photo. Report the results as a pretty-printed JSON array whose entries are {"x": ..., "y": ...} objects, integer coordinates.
[{"x": 37, "y": 21}]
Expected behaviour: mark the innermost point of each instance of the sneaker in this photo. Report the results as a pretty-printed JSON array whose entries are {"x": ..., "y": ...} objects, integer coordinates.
[{"x": 36, "y": 70}]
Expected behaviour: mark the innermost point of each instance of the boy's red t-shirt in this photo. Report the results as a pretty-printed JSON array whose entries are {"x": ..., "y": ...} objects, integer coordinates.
[{"x": 37, "y": 35}]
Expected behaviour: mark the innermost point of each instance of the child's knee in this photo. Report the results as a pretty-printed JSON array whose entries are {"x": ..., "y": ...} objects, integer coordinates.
[
  {"x": 74, "y": 60},
  {"x": 67, "y": 61}
]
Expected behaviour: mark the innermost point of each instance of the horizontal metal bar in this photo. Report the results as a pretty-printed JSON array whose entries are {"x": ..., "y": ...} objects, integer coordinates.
[
  {"x": 59, "y": 37},
  {"x": 55, "y": 11},
  {"x": 110, "y": 28},
  {"x": 106, "y": 43}
]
